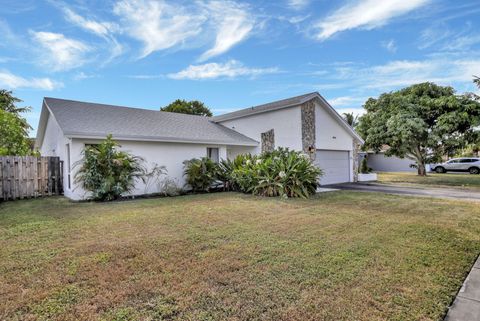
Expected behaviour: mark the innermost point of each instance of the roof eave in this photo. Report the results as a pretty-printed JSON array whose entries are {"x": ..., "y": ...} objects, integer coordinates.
[
  {"x": 160, "y": 139},
  {"x": 220, "y": 118}
]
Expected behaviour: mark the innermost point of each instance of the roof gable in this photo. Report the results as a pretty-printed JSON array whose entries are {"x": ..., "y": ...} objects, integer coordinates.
[{"x": 286, "y": 103}]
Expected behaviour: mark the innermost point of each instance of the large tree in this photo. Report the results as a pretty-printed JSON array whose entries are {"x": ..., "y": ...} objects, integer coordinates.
[
  {"x": 193, "y": 107},
  {"x": 13, "y": 127},
  {"x": 421, "y": 122}
]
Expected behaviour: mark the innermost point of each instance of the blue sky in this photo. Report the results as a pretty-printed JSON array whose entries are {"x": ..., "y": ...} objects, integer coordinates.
[{"x": 233, "y": 54}]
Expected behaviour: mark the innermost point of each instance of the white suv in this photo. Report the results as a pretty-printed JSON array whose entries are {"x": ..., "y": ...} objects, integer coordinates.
[{"x": 464, "y": 164}]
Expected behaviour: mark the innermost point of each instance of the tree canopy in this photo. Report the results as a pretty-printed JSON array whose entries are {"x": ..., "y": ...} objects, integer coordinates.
[
  {"x": 193, "y": 107},
  {"x": 421, "y": 122},
  {"x": 13, "y": 127}
]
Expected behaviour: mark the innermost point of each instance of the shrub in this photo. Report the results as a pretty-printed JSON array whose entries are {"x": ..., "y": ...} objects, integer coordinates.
[
  {"x": 169, "y": 187},
  {"x": 153, "y": 178},
  {"x": 364, "y": 169},
  {"x": 200, "y": 173},
  {"x": 107, "y": 172},
  {"x": 278, "y": 173},
  {"x": 226, "y": 169}
]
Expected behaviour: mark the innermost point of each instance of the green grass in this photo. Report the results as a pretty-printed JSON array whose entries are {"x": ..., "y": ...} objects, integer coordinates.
[
  {"x": 228, "y": 256},
  {"x": 465, "y": 181}
]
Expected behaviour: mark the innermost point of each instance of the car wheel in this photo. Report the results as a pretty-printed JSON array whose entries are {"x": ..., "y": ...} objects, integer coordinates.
[
  {"x": 474, "y": 170},
  {"x": 440, "y": 170}
]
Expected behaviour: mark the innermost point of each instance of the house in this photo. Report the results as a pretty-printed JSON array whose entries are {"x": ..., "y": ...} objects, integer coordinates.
[{"x": 304, "y": 123}]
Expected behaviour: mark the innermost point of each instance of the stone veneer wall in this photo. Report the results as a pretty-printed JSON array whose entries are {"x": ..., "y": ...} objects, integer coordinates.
[
  {"x": 356, "y": 150},
  {"x": 268, "y": 141},
  {"x": 308, "y": 128}
]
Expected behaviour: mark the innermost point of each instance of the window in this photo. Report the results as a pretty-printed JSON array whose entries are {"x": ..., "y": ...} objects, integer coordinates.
[
  {"x": 212, "y": 153},
  {"x": 69, "y": 167},
  {"x": 454, "y": 161},
  {"x": 467, "y": 160}
]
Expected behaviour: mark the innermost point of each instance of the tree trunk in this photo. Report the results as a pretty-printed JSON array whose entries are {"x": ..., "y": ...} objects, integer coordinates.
[
  {"x": 420, "y": 162},
  {"x": 421, "y": 169}
]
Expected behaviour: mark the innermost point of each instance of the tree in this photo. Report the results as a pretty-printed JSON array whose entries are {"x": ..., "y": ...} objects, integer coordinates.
[
  {"x": 8, "y": 103},
  {"x": 193, "y": 107},
  {"x": 13, "y": 136},
  {"x": 420, "y": 122},
  {"x": 351, "y": 119},
  {"x": 13, "y": 127}
]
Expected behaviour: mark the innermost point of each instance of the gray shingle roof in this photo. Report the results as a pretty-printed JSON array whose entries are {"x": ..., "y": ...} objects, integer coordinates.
[
  {"x": 82, "y": 119},
  {"x": 294, "y": 101}
]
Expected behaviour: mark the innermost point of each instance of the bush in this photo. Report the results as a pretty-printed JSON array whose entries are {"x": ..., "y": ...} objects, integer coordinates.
[
  {"x": 364, "y": 169},
  {"x": 200, "y": 173},
  {"x": 226, "y": 169},
  {"x": 169, "y": 187},
  {"x": 107, "y": 172},
  {"x": 279, "y": 173}
]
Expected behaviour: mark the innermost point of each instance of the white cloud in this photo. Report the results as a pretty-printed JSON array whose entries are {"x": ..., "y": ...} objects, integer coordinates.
[
  {"x": 60, "y": 52},
  {"x": 365, "y": 14},
  {"x": 355, "y": 111},
  {"x": 346, "y": 101},
  {"x": 431, "y": 36},
  {"x": 298, "y": 4},
  {"x": 233, "y": 23},
  {"x": 11, "y": 81},
  {"x": 462, "y": 43},
  {"x": 401, "y": 73},
  {"x": 390, "y": 45},
  {"x": 82, "y": 76},
  {"x": 101, "y": 29},
  {"x": 230, "y": 69},
  {"x": 158, "y": 25},
  {"x": 98, "y": 28}
]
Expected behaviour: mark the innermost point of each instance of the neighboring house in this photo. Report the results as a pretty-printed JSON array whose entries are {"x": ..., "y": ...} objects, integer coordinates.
[
  {"x": 379, "y": 162},
  {"x": 304, "y": 123}
]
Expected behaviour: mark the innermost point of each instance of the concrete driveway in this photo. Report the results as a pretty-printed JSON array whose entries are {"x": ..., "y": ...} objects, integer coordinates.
[{"x": 425, "y": 191}]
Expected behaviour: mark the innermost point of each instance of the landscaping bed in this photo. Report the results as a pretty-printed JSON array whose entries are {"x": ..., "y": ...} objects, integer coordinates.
[{"x": 231, "y": 256}]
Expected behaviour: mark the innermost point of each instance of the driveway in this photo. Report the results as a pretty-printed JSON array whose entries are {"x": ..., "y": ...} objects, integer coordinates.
[{"x": 450, "y": 193}]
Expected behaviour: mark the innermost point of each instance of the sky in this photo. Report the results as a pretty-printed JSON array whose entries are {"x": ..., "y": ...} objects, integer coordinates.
[{"x": 233, "y": 54}]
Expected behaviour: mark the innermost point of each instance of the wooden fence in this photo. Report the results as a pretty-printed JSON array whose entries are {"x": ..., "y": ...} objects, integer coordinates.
[{"x": 29, "y": 176}]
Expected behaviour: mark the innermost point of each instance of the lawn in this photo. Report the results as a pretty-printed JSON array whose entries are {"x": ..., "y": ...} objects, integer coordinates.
[
  {"x": 457, "y": 180},
  {"x": 228, "y": 256}
]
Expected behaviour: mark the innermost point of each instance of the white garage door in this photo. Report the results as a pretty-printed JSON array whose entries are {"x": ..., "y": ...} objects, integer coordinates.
[{"x": 335, "y": 166}]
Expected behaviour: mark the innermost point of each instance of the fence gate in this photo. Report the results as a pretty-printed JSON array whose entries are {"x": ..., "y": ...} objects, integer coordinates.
[{"x": 29, "y": 176}]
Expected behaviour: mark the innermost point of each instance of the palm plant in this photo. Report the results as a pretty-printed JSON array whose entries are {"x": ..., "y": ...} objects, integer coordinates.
[
  {"x": 107, "y": 172},
  {"x": 200, "y": 173},
  {"x": 351, "y": 119}
]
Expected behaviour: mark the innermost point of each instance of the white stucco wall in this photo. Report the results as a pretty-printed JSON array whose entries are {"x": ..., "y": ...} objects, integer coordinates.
[
  {"x": 53, "y": 142},
  {"x": 170, "y": 155},
  {"x": 380, "y": 163},
  {"x": 286, "y": 124},
  {"x": 329, "y": 133}
]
